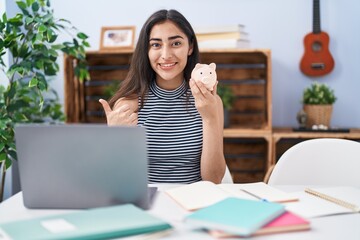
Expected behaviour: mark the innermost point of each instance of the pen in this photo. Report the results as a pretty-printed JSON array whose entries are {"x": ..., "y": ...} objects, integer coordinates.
[{"x": 254, "y": 195}]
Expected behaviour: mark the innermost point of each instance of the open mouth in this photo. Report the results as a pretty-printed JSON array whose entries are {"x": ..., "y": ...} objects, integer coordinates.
[{"x": 167, "y": 65}]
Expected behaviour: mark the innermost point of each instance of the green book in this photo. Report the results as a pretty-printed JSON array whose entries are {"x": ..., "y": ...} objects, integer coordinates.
[
  {"x": 236, "y": 216},
  {"x": 97, "y": 223}
]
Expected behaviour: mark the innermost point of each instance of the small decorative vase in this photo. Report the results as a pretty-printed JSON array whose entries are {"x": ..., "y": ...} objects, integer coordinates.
[
  {"x": 318, "y": 114},
  {"x": 301, "y": 117}
]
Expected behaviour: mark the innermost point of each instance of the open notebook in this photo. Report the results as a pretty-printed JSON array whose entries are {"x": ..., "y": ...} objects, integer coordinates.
[
  {"x": 202, "y": 194},
  {"x": 317, "y": 202}
]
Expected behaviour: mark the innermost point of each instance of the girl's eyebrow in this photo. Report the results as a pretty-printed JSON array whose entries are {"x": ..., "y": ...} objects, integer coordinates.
[{"x": 169, "y": 38}]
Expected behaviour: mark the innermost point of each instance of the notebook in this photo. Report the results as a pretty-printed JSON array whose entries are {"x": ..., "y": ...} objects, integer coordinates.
[
  {"x": 82, "y": 165},
  {"x": 97, "y": 223},
  {"x": 286, "y": 222},
  {"x": 318, "y": 202},
  {"x": 202, "y": 194},
  {"x": 347, "y": 197},
  {"x": 236, "y": 216}
]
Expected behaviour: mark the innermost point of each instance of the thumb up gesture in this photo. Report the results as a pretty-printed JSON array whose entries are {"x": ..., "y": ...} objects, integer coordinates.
[{"x": 121, "y": 114}]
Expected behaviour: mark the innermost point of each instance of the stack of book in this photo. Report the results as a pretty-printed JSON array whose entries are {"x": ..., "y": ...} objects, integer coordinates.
[
  {"x": 237, "y": 210},
  {"x": 229, "y": 36}
]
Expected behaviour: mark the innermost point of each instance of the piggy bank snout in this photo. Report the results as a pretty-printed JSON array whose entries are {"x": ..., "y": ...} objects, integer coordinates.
[{"x": 206, "y": 79}]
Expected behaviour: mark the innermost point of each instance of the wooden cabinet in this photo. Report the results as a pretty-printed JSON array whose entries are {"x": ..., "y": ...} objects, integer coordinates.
[
  {"x": 81, "y": 98},
  {"x": 248, "y": 73},
  {"x": 247, "y": 142}
]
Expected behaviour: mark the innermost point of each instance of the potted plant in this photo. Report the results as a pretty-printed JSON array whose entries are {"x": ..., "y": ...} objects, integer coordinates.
[
  {"x": 30, "y": 38},
  {"x": 227, "y": 96},
  {"x": 318, "y": 100}
]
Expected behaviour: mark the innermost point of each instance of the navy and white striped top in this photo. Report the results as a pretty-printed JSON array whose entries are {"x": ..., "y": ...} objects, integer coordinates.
[{"x": 174, "y": 135}]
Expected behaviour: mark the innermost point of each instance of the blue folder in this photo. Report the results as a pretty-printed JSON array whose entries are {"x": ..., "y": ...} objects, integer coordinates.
[{"x": 97, "y": 223}]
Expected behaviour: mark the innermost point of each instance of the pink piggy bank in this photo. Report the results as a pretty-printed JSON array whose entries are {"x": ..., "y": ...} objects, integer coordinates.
[{"x": 206, "y": 74}]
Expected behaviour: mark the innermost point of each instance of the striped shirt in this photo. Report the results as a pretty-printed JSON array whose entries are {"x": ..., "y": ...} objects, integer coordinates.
[{"x": 174, "y": 135}]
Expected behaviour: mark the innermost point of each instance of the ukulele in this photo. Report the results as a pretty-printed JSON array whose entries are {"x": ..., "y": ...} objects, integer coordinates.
[{"x": 317, "y": 59}]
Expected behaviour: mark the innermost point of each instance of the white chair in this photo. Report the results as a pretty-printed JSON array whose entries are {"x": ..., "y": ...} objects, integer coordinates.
[
  {"x": 227, "y": 176},
  {"x": 324, "y": 161}
]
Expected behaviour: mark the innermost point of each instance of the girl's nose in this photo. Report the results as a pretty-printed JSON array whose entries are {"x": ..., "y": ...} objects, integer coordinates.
[{"x": 166, "y": 53}]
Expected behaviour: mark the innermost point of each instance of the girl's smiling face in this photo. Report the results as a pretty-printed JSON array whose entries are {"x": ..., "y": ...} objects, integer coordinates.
[{"x": 168, "y": 53}]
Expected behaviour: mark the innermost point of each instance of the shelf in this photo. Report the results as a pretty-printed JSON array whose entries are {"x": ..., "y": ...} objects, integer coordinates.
[{"x": 246, "y": 133}]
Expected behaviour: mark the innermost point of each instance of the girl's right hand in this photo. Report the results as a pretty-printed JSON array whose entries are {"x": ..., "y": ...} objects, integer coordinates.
[{"x": 122, "y": 114}]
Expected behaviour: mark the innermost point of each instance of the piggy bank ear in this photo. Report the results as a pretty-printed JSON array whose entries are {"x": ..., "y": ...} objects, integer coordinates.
[
  {"x": 197, "y": 66},
  {"x": 212, "y": 65}
]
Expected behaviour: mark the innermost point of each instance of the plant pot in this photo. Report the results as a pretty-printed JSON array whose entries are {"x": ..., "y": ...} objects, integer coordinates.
[{"x": 318, "y": 114}]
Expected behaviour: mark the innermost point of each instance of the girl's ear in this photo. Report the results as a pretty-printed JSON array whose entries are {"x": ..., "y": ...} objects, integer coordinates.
[{"x": 190, "y": 50}]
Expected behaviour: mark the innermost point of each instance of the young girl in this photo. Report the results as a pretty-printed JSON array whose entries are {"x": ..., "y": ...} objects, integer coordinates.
[{"x": 183, "y": 120}]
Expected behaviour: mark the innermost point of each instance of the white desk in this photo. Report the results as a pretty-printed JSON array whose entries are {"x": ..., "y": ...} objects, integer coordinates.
[{"x": 346, "y": 226}]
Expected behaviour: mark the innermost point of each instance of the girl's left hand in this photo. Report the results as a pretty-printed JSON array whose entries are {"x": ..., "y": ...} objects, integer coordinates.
[{"x": 206, "y": 101}]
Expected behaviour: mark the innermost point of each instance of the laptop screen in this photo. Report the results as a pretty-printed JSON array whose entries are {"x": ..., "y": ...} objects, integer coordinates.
[{"x": 81, "y": 166}]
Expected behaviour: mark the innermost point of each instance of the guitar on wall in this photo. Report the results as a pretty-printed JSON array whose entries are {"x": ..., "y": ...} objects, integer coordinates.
[{"x": 317, "y": 59}]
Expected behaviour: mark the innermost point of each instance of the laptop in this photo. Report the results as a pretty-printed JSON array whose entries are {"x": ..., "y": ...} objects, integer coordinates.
[{"x": 82, "y": 165}]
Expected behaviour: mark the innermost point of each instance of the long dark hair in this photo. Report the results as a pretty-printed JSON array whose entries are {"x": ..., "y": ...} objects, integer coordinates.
[{"x": 141, "y": 74}]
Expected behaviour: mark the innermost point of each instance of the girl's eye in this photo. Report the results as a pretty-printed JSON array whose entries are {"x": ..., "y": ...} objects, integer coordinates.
[
  {"x": 177, "y": 43},
  {"x": 155, "y": 45}
]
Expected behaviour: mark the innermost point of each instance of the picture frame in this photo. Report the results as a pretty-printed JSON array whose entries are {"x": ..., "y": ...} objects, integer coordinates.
[{"x": 117, "y": 38}]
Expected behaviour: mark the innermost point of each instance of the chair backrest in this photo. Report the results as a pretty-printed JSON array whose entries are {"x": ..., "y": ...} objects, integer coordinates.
[
  {"x": 324, "y": 161},
  {"x": 227, "y": 176}
]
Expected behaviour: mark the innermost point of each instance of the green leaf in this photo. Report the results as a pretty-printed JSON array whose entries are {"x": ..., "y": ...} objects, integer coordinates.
[
  {"x": 16, "y": 21},
  {"x": 86, "y": 44},
  {"x": 2, "y": 146},
  {"x": 35, "y": 6},
  {"x": 76, "y": 43},
  {"x": 23, "y": 51},
  {"x": 17, "y": 105},
  {"x": 21, "y": 5},
  {"x": 33, "y": 82},
  {"x": 64, "y": 20},
  {"x": 39, "y": 37},
  {"x": 29, "y": 2},
  {"x": 82, "y": 35},
  {"x": 57, "y": 46},
  {"x": 11, "y": 90},
  {"x": 49, "y": 33},
  {"x": 20, "y": 117},
  {"x": 39, "y": 64},
  {"x": 42, "y": 28},
  {"x": 29, "y": 20},
  {"x": 2, "y": 156},
  {"x": 4, "y": 18},
  {"x": 42, "y": 85},
  {"x": 13, "y": 154},
  {"x": 53, "y": 53},
  {"x": 8, "y": 161}
]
